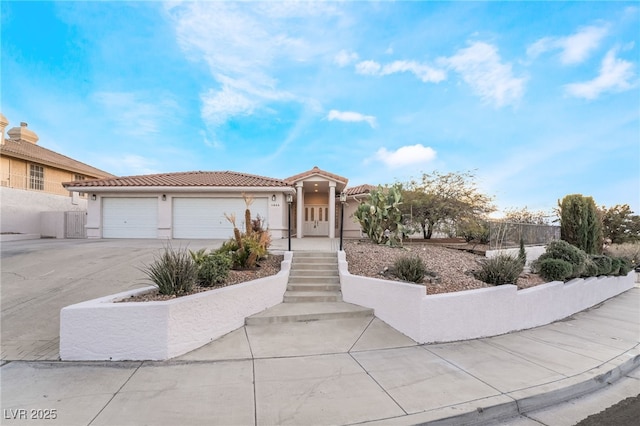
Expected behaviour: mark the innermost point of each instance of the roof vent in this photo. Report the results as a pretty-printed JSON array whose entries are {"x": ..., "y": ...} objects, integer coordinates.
[{"x": 22, "y": 133}]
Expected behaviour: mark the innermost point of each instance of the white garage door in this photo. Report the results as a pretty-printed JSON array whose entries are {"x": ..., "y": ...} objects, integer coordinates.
[
  {"x": 130, "y": 217},
  {"x": 204, "y": 217}
]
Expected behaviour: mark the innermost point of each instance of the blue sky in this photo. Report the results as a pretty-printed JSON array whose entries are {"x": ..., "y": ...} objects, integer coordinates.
[{"x": 541, "y": 99}]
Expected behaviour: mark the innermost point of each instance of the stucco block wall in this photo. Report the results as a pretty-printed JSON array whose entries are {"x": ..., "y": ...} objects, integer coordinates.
[
  {"x": 475, "y": 313},
  {"x": 21, "y": 210},
  {"x": 102, "y": 330}
]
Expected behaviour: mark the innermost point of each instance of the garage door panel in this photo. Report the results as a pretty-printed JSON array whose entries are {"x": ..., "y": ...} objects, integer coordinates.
[
  {"x": 130, "y": 217},
  {"x": 205, "y": 217}
]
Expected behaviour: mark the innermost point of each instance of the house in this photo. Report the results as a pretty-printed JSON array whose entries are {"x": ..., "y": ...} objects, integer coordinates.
[
  {"x": 31, "y": 179},
  {"x": 196, "y": 204}
]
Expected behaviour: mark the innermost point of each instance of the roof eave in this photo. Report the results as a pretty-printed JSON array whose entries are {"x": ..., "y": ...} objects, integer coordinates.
[{"x": 173, "y": 189}]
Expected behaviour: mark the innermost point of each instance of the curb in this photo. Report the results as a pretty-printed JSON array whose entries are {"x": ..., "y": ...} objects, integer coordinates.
[{"x": 498, "y": 408}]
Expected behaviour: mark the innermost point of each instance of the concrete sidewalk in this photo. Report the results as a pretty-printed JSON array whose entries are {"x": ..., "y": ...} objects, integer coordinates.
[{"x": 350, "y": 371}]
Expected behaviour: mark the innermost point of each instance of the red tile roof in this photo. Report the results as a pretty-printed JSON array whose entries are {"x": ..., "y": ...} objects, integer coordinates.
[
  {"x": 195, "y": 178},
  {"x": 317, "y": 171},
  {"x": 359, "y": 190},
  {"x": 31, "y": 152}
]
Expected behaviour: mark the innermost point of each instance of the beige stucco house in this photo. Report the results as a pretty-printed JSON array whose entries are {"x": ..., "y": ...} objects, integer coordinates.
[
  {"x": 193, "y": 204},
  {"x": 31, "y": 191}
]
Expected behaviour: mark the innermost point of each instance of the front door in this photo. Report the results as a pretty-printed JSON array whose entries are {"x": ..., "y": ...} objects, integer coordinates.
[{"x": 316, "y": 221}]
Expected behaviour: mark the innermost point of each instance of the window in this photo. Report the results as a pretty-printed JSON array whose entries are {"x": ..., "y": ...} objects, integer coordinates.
[{"x": 36, "y": 177}]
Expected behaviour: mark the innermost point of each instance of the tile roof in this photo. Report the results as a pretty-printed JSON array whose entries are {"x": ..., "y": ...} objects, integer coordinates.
[
  {"x": 359, "y": 190},
  {"x": 195, "y": 178},
  {"x": 31, "y": 152},
  {"x": 317, "y": 171}
]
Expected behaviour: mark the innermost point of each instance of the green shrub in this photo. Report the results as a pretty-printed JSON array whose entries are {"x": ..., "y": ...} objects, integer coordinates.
[
  {"x": 625, "y": 266},
  {"x": 580, "y": 224},
  {"x": 562, "y": 250},
  {"x": 604, "y": 264},
  {"x": 502, "y": 269},
  {"x": 616, "y": 263},
  {"x": 554, "y": 269},
  {"x": 174, "y": 272},
  {"x": 522, "y": 253},
  {"x": 590, "y": 268},
  {"x": 213, "y": 268},
  {"x": 410, "y": 268}
]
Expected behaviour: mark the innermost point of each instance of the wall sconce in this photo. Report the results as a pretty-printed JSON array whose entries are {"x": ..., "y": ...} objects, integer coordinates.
[
  {"x": 289, "y": 198},
  {"x": 164, "y": 197},
  {"x": 273, "y": 197},
  {"x": 93, "y": 197}
]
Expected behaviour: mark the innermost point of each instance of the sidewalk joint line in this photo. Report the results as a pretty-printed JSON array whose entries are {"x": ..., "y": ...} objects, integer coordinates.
[
  {"x": 361, "y": 334},
  {"x": 116, "y": 393}
]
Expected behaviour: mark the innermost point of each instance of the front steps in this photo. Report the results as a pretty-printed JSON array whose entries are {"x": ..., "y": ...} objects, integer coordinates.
[{"x": 313, "y": 293}]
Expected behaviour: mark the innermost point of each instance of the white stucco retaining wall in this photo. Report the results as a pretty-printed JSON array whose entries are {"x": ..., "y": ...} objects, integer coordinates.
[
  {"x": 99, "y": 329},
  {"x": 474, "y": 313},
  {"x": 22, "y": 209}
]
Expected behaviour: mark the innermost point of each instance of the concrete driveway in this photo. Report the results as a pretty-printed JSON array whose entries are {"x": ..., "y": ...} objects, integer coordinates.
[{"x": 40, "y": 277}]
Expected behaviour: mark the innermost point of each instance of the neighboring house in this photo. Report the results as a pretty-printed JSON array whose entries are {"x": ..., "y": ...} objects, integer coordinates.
[
  {"x": 31, "y": 181},
  {"x": 196, "y": 204}
]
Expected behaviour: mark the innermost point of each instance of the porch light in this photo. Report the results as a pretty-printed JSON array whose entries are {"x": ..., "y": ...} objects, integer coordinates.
[
  {"x": 93, "y": 197},
  {"x": 164, "y": 197},
  {"x": 273, "y": 197}
]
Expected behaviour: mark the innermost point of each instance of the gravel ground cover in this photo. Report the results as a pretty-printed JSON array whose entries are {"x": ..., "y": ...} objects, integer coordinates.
[{"x": 452, "y": 267}]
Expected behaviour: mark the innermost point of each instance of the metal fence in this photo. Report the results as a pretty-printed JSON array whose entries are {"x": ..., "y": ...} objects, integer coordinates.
[{"x": 508, "y": 234}]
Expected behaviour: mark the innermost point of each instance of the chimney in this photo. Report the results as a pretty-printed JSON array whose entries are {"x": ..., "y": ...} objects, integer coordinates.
[
  {"x": 3, "y": 123},
  {"x": 22, "y": 134}
]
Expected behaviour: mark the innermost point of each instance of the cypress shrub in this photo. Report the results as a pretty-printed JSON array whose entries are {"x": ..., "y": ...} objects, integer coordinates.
[
  {"x": 604, "y": 264},
  {"x": 562, "y": 250},
  {"x": 580, "y": 223}
]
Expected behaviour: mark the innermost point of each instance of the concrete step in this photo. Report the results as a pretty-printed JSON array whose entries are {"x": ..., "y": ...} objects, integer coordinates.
[
  {"x": 312, "y": 296},
  {"x": 313, "y": 273},
  {"x": 313, "y": 260},
  {"x": 313, "y": 266},
  {"x": 313, "y": 287},
  {"x": 300, "y": 312},
  {"x": 313, "y": 279},
  {"x": 302, "y": 254}
]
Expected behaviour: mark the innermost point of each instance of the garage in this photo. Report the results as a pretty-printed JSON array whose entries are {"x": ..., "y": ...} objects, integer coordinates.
[
  {"x": 203, "y": 218},
  {"x": 130, "y": 217}
]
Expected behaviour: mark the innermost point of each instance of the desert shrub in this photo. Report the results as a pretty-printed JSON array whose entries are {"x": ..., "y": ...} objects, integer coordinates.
[
  {"x": 410, "y": 268},
  {"x": 554, "y": 269},
  {"x": 246, "y": 248},
  {"x": 580, "y": 223},
  {"x": 174, "y": 272},
  {"x": 562, "y": 250},
  {"x": 502, "y": 269},
  {"x": 213, "y": 268},
  {"x": 604, "y": 265},
  {"x": 629, "y": 251}
]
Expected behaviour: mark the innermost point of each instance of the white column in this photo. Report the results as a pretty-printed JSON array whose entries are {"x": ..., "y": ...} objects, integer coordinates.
[
  {"x": 332, "y": 209},
  {"x": 299, "y": 210}
]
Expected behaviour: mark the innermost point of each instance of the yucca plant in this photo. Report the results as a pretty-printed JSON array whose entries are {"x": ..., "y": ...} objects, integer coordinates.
[{"x": 174, "y": 272}]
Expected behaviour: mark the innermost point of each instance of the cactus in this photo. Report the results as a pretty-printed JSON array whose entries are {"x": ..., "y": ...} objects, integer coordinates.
[{"x": 381, "y": 217}]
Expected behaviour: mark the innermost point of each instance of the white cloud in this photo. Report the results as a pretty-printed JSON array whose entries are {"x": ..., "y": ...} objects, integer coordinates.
[
  {"x": 351, "y": 117},
  {"x": 616, "y": 75},
  {"x": 575, "y": 48},
  {"x": 243, "y": 44},
  {"x": 219, "y": 106},
  {"x": 405, "y": 155},
  {"x": 344, "y": 58},
  {"x": 482, "y": 69},
  {"x": 424, "y": 72},
  {"x": 136, "y": 114}
]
